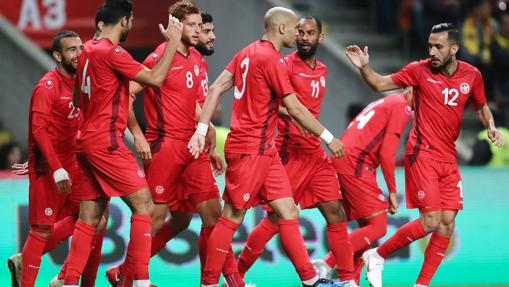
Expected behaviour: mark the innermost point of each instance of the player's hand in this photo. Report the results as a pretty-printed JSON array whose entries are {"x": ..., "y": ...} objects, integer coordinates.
[
  {"x": 218, "y": 165},
  {"x": 496, "y": 137},
  {"x": 358, "y": 57},
  {"x": 62, "y": 180},
  {"x": 173, "y": 32},
  {"x": 305, "y": 133},
  {"x": 393, "y": 200},
  {"x": 20, "y": 168},
  {"x": 142, "y": 148},
  {"x": 336, "y": 147},
  {"x": 210, "y": 140},
  {"x": 196, "y": 145}
]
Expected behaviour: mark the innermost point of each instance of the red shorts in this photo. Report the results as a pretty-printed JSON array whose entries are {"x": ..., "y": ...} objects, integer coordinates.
[
  {"x": 173, "y": 163},
  {"x": 110, "y": 173},
  {"x": 361, "y": 195},
  {"x": 254, "y": 179},
  {"x": 187, "y": 202},
  {"x": 432, "y": 185},
  {"x": 46, "y": 205},
  {"x": 313, "y": 179}
]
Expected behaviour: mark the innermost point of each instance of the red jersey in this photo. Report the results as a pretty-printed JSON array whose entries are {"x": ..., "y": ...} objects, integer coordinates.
[
  {"x": 439, "y": 101},
  {"x": 261, "y": 81},
  {"x": 102, "y": 77},
  {"x": 309, "y": 85},
  {"x": 52, "y": 96},
  {"x": 171, "y": 109},
  {"x": 204, "y": 82},
  {"x": 365, "y": 134}
]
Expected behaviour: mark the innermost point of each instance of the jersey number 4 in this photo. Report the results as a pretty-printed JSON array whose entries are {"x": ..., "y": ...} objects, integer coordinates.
[
  {"x": 85, "y": 81},
  {"x": 363, "y": 118}
]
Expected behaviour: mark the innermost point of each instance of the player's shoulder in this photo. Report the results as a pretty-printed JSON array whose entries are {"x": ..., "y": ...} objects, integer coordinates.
[
  {"x": 320, "y": 65},
  {"x": 419, "y": 64},
  {"x": 398, "y": 102},
  {"x": 468, "y": 68},
  {"x": 49, "y": 81},
  {"x": 157, "y": 53}
]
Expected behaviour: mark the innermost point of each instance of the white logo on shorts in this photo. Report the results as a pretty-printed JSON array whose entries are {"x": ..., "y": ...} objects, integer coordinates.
[
  {"x": 159, "y": 189},
  {"x": 464, "y": 88},
  {"x": 48, "y": 211},
  {"x": 421, "y": 194},
  {"x": 140, "y": 173},
  {"x": 381, "y": 197},
  {"x": 247, "y": 196}
]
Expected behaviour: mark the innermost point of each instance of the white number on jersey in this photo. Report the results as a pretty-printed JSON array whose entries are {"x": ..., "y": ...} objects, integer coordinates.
[
  {"x": 236, "y": 93},
  {"x": 315, "y": 85},
  {"x": 453, "y": 94},
  {"x": 85, "y": 81},
  {"x": 368, "y": 112},
  {"x": 75, "y": 112},
  {"x": 189, "y": 79},
  {"x": 205, "y": 85}
]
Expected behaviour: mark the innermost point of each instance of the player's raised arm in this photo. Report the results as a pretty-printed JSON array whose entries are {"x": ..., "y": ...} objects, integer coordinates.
[
  {"x": 155, "y": 77},
  {"x": 486, "y": 118},
  {"x": 222, "y": 84},
  {"x": 302, "y": 115},
  {"x": 360, "y": 60}
]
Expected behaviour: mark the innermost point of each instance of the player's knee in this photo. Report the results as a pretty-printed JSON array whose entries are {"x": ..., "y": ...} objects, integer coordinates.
[
  {"x": 431, "y": 221},
  {"x": 289, "y": 212}
]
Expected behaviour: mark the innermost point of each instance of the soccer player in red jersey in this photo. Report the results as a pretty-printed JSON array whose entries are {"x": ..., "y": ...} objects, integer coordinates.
[
  {"x": 53, "y": 123},
  {"x": 312, "y": 177},
  {"x": 175, "y": 178},
  {"x": 442, "y": 87},
  {"x": 371, "y": 139},
  {"x": 254, "y": 171},
  {"x": 102, "y": 79}
]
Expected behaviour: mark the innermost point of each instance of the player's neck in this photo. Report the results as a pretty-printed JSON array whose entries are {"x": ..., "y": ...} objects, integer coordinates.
[
  {"x": 274, "y": 40},
  {"x": 183, "y": 49},
  {"x": 109, "y": 34},
  {"x": 64, "y": 72},
  {"x": 451, "y": 68}
]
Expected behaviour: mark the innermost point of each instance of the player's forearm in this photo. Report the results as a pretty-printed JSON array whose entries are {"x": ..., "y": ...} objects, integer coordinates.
[
  {"x": 210, "y": 105},
  {"x": 376, "y": 81},
  {"x": 388, "y": 159},
  {"x": 133, "y": 125},
  {"x": 160, "y": 70},
  {"x": 486, "y": 117},
  {"x": 283, "y": 112},
  {"x": 41, "y": 137},
  {"x": 302, "y": 115}
]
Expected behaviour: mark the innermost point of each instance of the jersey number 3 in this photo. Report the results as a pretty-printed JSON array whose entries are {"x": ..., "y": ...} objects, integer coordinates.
[{"x": 243, "y": 65}]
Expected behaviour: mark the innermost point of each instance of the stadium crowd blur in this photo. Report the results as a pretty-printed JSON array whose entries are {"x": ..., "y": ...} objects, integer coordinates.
[
  {"x": 10, "y": 151},
  {"x": 484, "y": 28}
]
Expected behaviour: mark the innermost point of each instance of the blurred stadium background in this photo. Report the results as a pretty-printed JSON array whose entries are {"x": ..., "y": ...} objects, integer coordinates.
[{"x": 396, "y": 33}]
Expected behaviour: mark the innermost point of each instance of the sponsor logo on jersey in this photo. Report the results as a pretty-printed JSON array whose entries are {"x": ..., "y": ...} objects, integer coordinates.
[
  {"x": 433, "y": 81},
  {"x": 305, "y": 75},
  {"x": 48, "y": 211},
  {"x": 464, "y": 88},
  {"x": 177, "y": 68}
]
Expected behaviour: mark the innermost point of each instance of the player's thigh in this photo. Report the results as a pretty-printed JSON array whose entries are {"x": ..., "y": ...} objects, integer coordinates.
[
  {"x": 421, "y": 184},
  {"x": 44, "y": 200},
  {"x": 299, "y": 172},
  {"x": 451, "y": 188},
  {"x": 245, "y": 177},
  {"x": 361, "y": 196},
  {"x": 277, "y": 191},
  {"x": 323, "y": 186}
]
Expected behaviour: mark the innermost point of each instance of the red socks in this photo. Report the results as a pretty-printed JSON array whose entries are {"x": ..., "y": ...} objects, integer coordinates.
[
  {"x": 405, "y": 235},
  {"x": 218, "y": 247},
  {"x": 255, "y": 244},
  {"x": 90, "y": 271},
  {"x": 339, "y": 243},
  {"x": 202, "y": 244},
  {"x": 138, "y": 250},
  {"x": 81, "y": 245},
  {"x": 161, "y": 238},
  {"x": 363, "y": 237},
  {"x": 32, "y": 253},
  {"x": 293, "y": 243},
  {"x": 61, "y": 231},
  {"x": 433, "y": 256}
]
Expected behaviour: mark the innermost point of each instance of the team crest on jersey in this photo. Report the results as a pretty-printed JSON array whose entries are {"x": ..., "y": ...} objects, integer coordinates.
[
  {"x": 381, "y": 197},
  {"x": 247, "y": 196},
  {"x": 49, "y": 84},
  {"x": 322, "y": 81},
  {"x": 421, "y": 194},
  {"x": 159, "y": 189},
  {"x": 464, "y": 88},
  {"x": 141, "y": 173},
  {"x": 48, "y": 211},
  {"x": 155, "y": 56},
  {"x": 196, "y": 70}
]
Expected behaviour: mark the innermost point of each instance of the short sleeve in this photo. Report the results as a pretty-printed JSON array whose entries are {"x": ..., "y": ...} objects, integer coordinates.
[
  {"x": 399, "y": 118},
  {"x": 44, "y": 96},
  {"x": 478, "y": 96},
  {"x": 124, "y": 63},
  {"x": 276, "y": 73},
  {"x": 232, "y": 66},
  {"x": 407, "y": 76}
]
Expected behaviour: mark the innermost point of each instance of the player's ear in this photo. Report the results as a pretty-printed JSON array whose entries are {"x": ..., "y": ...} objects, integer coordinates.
[
  {"x": 322, "y": 36},
  {"x": 282, "y": 29},
  {"x": 455, "y": 48},
  {"x": 57, "y": 56},
  {"x": 124, "y": 22}
]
